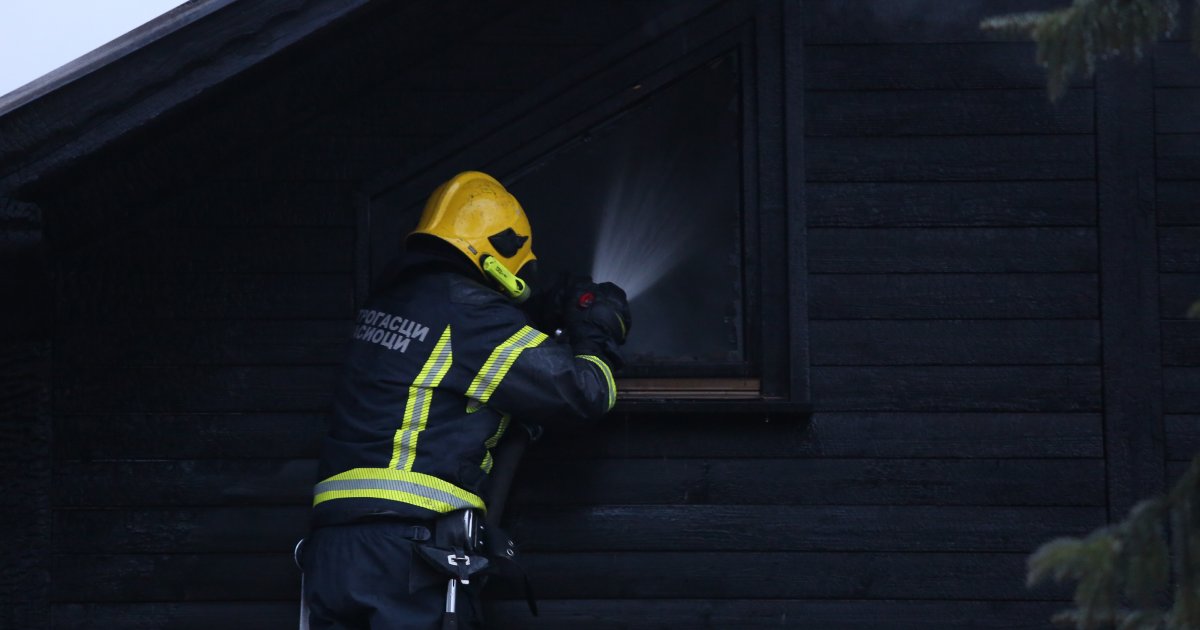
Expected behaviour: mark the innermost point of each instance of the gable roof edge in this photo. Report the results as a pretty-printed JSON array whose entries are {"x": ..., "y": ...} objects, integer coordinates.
[
  {"x": 110, "y": 52},
  {"x": 50, "y": 132}
]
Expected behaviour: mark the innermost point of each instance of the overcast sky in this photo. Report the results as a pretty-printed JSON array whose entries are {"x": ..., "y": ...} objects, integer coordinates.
[{"x": 37, "y": 36}]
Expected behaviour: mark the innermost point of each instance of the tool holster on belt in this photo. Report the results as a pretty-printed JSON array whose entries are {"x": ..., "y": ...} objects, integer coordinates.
[
  {"x": 462, "y": 550},
  {"x": 454, "y": 552}
]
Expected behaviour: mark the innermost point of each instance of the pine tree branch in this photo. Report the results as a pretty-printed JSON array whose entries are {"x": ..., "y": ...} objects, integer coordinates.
[
  {"x": 1132, "y": 562},
  {"x": 1072, "y": 40}
]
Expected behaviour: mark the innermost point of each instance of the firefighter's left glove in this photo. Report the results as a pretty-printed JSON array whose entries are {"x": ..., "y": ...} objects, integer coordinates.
[{"x": 597, "y": 320}]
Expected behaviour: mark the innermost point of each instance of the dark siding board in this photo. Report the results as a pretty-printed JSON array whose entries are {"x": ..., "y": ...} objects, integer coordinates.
[
  {"x": 814, "y": 482},
  {"x": 558, "y": 24},
  {"x": 227, "y": 436},
  {"x": 26, "y": 442},
  {"x": 956, "y": 388},
  {"x": 855, "y": 434},
  {"x": 308, "y": 156},
  {"x": 792, "y": 528},
  {"x": 951, "y": 342},
  {"x": 1183, "y": 437},
  {"x": 718, "y": 575},
  {"x": 610, "y": 528},
  {"x": 780, "y": 576},
  {"x": 1177, "y": 156},
  {"x": 1175, "y": 65},
  {"x": 922, "y": 250},
  {"x": 519, "y": 67},
  {"x": 233, "y": 436},
  {"x": 97, "y": 295},
  {"x": 1179, "y": 292},
  {"x": 1133, "y": 405},
  {"x": 608, "y": 614},
  {"x": 192, "y": 483},
  {"x": 830, "y": 615},
  {"x": 1181, "y": 389},
  {"x": 908, "y": 67},
  {"x": 1175, "y": 470},
  {"x": 950, "y": 158},
  {"x": 952, "y": 204},
  {"x": 1177, "y": 110},
  {"x": 254, "y": 203},
  {"x": 905, "y": 21},
  {"x": 198, "y": 250},
  {"x": 246, "y": 529},
  {"x": 1177, "y": 203},
  {"x": 1181, "y": 342},
  {"x": 206, "y": 342},
  {"x": 947, "y": 113},
  {"x": 395, "y": 108},
  {"x": 194, "y": 388},
  {"x": 175, "y": 577},
  {"x": 1179, "y": 249},
  {"x": 177, "y": 615},
  {"x": 187, "y": 483},
  {"x": 954, "y": 296}
]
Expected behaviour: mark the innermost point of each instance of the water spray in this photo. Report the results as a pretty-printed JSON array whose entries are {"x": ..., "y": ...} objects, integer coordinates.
[{"x": 642, "y": 235}]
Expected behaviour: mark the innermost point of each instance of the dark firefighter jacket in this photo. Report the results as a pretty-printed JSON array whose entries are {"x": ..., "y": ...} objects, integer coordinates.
[{"x": 438, "y": 365}]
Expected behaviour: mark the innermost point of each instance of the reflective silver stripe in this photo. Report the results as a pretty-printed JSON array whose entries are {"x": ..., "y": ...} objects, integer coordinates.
[
  {"x": 416, "y": 409},
  {"x": 608, "y": 377},
  {"x": 391, "y": 485},
  {"x": 402, "y": 486},
  {"x": 501, "y": 359}
]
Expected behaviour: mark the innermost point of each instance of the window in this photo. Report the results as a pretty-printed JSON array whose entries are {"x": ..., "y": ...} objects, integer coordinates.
[
  {"x": 672, "y": 167},
  {"x": 650, "y": 199}
]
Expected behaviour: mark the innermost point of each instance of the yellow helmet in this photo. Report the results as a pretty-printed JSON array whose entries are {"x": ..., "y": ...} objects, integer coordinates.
[{"x": 474, "y": 213}]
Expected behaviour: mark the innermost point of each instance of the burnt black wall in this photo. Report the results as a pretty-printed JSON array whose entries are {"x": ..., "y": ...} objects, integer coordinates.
[
  {"x": 961, "y": 334},
  {"x": 1177, "y": 151}
]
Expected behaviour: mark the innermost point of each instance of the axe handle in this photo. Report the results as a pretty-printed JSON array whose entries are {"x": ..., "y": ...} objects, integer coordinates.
[{"x": 507, "y": 457}]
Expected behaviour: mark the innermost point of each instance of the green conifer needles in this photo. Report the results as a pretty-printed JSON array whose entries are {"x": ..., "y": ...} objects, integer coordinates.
[
  {"x": 1070, "y": 41},
  {"x": 1123, "y": 572}
]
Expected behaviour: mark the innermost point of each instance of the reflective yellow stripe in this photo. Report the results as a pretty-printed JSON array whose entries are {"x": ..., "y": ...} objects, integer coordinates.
[
  {"x": 420, "y": 396},
  {"x": 498, "y": 364},
  {"x": 409, "y": 487},
  {"x": 612, "y": 385},
  {"x": 492, "y": 442}
]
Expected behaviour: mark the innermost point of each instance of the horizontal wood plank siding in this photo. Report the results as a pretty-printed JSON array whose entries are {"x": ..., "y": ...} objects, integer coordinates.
[
  {"x": 875, "y": 435},
  {"x": 954, "y": 254},
  {"x": 604, "y": 614},
  {"x": 1177, "y": 83},
  {"x": 954, "y": 290}
]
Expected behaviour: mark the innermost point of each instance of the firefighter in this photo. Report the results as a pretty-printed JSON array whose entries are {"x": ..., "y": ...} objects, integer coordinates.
[{"x": 442, "y": 360}]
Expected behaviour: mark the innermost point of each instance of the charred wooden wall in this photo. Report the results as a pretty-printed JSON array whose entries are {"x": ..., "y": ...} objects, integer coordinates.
[
  {"x": 201, "y": 319},
  {"x": 961, "y": 362},
  {"x": 1177, "y": 158}
]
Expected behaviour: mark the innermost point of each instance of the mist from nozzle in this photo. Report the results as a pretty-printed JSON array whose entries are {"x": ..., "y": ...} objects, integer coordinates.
[{"x": 642, "y": 235}]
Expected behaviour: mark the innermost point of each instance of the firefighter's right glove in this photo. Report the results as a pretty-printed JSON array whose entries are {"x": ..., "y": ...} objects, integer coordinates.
[{"x": 597, "y": 320}]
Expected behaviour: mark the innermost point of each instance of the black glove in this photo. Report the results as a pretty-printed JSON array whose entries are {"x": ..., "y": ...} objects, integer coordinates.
[
  {"x": 596, "y": 319},
  {"x": 545, "y": 307}
]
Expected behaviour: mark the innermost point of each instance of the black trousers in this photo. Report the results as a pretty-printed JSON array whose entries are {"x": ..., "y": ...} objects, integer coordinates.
[{"x": 368, "y": 576}]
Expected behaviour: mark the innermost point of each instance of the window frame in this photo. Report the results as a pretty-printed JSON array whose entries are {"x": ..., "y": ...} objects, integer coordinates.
[{"x": 764, "y": 36}]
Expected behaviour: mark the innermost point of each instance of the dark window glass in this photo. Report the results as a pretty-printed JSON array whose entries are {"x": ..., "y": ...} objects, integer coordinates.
[{"x": 650, "y": 199}]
